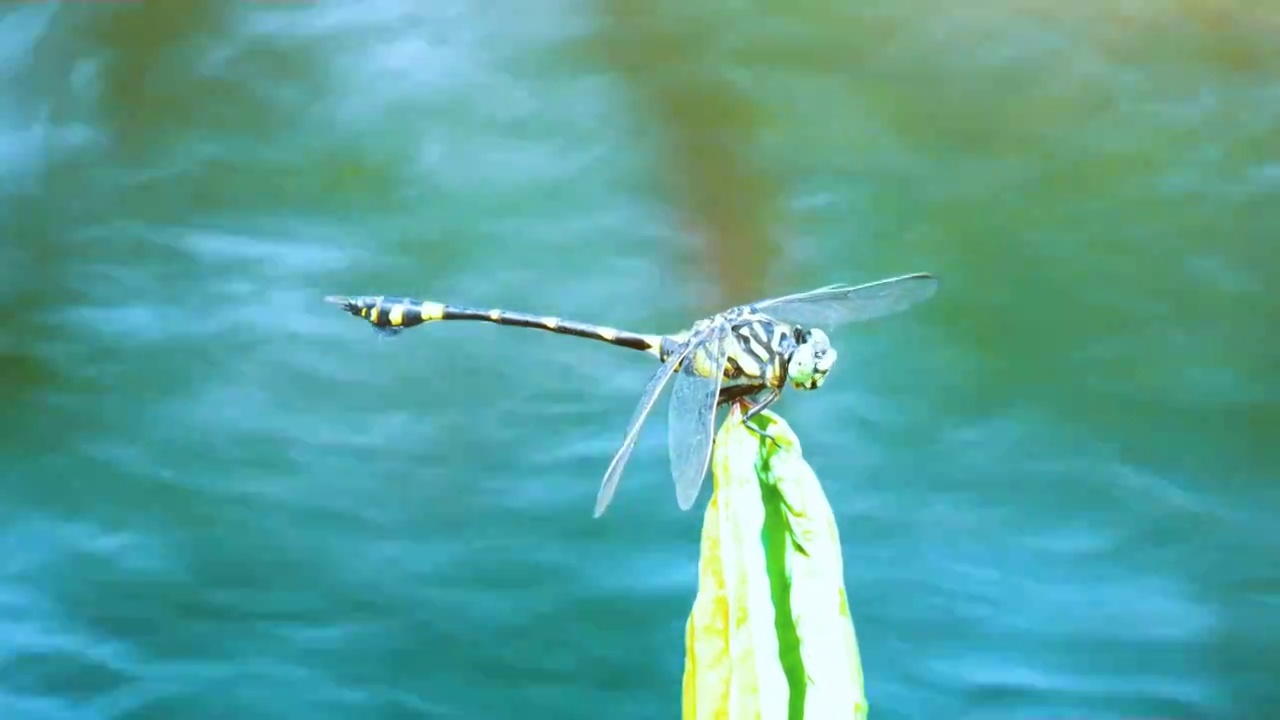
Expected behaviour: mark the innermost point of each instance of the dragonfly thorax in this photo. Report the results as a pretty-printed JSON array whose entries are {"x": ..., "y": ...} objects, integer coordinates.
[{"x": 811, "y": 360}]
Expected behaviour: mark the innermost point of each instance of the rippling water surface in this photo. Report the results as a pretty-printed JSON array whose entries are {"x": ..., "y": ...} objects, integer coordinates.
[{"x": 1056, "y": 482}]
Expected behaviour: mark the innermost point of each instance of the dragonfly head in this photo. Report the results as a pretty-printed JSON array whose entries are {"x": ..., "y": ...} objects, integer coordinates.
[{"x": 811, "y": 360}]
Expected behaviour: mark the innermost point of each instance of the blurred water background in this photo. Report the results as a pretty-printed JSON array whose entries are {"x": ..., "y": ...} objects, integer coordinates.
[{"x": 1056, "y": 481}]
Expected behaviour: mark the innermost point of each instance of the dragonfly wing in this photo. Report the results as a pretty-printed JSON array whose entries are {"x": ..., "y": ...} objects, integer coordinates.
[
  {"x": 647, "y": 401},
  {"x": 692, "y": 413},
  {"x": 839, "y": 304}
]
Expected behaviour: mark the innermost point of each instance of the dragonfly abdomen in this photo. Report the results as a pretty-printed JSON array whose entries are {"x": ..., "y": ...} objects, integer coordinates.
[
  {"x": 395, "y": 313},
  {"x": 390, "y": 312}
]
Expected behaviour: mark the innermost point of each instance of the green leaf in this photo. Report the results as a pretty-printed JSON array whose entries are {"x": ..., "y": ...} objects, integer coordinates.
[{"x": 770, "y": 634}]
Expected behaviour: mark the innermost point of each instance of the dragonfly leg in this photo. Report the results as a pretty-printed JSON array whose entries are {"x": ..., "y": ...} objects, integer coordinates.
[
  {"x": 758, "y": 407},
  {"x": 753, "y": 409}
]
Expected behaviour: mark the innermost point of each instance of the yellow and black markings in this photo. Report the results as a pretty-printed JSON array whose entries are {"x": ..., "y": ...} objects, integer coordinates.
[{"x": 394, "y": 314}]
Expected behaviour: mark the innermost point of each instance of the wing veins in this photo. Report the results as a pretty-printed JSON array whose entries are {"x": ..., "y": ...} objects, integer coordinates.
[
  {"x": 692, "y": 415},
  {"x": 647, "y": 400},
  {"x": 837, "y": 304}
]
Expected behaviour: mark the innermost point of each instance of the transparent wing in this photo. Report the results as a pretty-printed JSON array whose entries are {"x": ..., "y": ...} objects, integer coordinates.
[
  {"x": 692, "y": 414},
  {"x": 838, "y": 304},
  {"x": 647, "y": 401}
]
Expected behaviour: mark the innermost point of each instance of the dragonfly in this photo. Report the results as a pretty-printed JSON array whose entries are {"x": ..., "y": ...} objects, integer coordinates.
[{"x": 747, "y": 354}]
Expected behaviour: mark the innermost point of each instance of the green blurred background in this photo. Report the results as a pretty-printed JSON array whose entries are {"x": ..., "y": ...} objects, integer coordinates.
[{"x": 1056, "y": 481}]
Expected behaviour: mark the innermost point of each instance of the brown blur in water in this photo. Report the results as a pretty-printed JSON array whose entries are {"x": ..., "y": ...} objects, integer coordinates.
[
  {"x": 726, "y": 201},
  {"x": 670, "y": 55}
]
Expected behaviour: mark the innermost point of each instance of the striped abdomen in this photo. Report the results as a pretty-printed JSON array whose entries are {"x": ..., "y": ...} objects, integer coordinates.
[{"x": 392, "y": 314}]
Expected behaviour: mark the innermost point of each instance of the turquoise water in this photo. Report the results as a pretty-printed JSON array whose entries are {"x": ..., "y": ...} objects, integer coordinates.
[{"x": 1056, "y": 481}]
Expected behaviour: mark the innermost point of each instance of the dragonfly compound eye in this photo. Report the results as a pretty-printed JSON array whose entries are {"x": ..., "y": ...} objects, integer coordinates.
[{"x": 811, "y": 361}]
